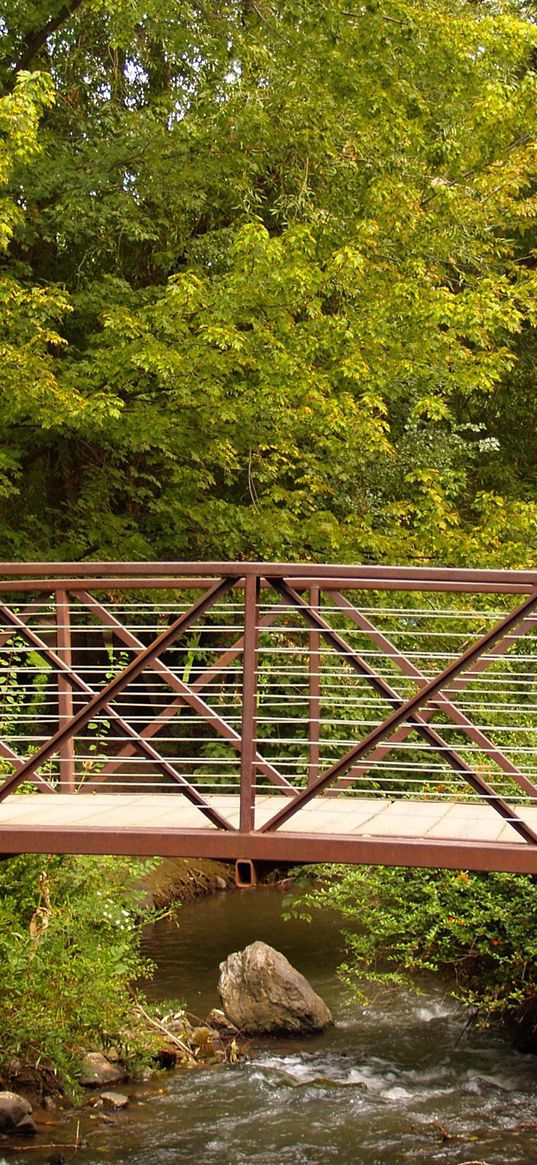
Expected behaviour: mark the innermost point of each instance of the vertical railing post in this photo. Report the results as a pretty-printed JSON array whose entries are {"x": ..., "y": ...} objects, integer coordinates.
[
  {"x": 249, "y": 702},
  {"x": 65, "y": 691},
  {"x": 314, "y": 662}
]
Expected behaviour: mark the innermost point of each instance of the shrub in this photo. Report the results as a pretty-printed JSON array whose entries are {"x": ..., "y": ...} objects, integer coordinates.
[
  {"x": 481, "y": 928},
  {"x": 70, "y": 956}
]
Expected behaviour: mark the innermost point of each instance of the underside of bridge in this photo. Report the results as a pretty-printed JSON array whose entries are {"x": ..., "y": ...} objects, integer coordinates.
[{"x": 271, "y": 712}]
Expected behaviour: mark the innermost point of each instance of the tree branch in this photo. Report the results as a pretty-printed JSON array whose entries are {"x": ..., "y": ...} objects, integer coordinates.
[{"x": 38, "y": 37}]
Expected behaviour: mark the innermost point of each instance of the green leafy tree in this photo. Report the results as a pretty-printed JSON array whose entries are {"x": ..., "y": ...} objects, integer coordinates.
[
  {"x": 288, "y": 247},
  {"x": 34, "y": 398}
]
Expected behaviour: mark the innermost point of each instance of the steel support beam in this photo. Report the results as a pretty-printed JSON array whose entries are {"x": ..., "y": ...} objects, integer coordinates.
[{"x": 274, "y": 847}]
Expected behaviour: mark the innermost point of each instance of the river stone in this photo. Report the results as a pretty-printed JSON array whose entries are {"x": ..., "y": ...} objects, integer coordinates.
[
  {"x": 96, "y": 1070},
  {"x": 13, "y": 1110},
  {"x": 262, "y": 992},
  {"x": 223, "y": 1025},
  {"x": 115, "y": 1099},
  {"x": 26, "y": 1127}
]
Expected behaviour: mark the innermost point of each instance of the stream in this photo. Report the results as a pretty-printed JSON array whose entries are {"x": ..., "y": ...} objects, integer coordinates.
[{"x": 378, "y": 1089}]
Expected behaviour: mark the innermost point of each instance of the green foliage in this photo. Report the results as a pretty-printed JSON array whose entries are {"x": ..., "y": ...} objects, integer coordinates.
[
  {"x": 19, "y": 118},
  {"x": 399, "y": 923},
  {"x": 70, "y": 954},
  {"x": 269, "y": 276}
]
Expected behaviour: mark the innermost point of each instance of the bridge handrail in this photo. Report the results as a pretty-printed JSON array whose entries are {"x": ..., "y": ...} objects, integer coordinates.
[
  {"x": 296, "y": 640},
  {"x": 354, "y": 575}
]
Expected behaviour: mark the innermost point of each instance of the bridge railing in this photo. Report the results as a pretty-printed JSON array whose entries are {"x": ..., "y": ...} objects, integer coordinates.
[{"x": 240, "y": 680}]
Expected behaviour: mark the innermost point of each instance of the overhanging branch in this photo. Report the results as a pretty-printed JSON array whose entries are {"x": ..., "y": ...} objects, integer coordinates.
[{"x": 38, "y": 37}]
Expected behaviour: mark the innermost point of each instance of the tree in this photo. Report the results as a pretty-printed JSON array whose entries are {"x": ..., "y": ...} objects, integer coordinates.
[
  {"x": 289, "y": 244},
  {"x": 33, "y": 398}
]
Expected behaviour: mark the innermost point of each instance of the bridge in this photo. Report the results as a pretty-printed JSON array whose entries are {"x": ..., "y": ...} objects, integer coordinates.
[{"x": 270, "y": 712}]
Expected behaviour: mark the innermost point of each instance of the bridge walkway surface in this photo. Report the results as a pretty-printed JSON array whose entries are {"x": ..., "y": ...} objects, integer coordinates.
[{"x": 271, "y": 712}]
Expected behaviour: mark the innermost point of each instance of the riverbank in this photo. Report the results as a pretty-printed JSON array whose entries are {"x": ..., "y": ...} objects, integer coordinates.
[
  {"x": 177, "y": 880},
  {"x": 475, "y": 930},
  {"x": 377, "y": 1089},
  {"x": 394, "y": 1072},
  {"x": 151, "y": 1040},
  {"x": 70, "y": 948}
]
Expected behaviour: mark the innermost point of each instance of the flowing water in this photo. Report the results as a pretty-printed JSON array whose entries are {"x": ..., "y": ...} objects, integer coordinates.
[{"x": 397, "y": 1082}]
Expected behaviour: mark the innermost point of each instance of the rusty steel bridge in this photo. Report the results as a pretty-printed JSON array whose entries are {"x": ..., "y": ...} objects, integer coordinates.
[{"x": 270, "y": 712}]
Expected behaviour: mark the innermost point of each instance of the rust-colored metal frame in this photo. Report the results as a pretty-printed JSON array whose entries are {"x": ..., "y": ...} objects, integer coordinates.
[{"x": 298, "y": 586}]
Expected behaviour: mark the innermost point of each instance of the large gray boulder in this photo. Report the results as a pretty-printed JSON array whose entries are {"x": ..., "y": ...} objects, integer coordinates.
[{"x": 262, "y": 992}]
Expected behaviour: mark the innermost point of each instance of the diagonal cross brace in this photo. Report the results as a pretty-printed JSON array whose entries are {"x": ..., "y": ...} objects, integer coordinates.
[
  {"x": 75, "y": 680},
  {"x": 418, "y": 723},
  {"x": 148, "y": 751},
  {"x": 459, "y": 718},
  {"x": 227, "y": 657},
  {"x": 403, "y": 710},
  {"x": 186, "y": 692},
  {"x": 100, "y": 702},
  {"x": 386, "y": 747},
  {"x": 30, "y": 610},
  {"x": 17, "y": 762},
  {"x": 5, "y": 749}
]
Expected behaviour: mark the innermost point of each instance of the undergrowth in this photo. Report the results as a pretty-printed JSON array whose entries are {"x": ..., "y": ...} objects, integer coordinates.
[
  {"x": 70, "y": 930},
  {"x": 481, "y": 928}
]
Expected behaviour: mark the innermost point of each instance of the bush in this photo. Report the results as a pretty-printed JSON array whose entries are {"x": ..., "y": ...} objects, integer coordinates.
[
  {"x": 481, "y": 928},
  {"x": 70, "y": 956}
]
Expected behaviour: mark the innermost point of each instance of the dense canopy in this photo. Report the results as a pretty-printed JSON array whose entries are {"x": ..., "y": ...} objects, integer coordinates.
[{"x": 268, "y": 279}]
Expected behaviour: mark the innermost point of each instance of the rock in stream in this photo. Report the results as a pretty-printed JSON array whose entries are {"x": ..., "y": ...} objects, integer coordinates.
[{"x": 262, "y": 993}]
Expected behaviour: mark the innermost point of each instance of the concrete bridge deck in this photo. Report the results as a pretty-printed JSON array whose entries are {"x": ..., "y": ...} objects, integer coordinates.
[{"x": 344, "y": 829}]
